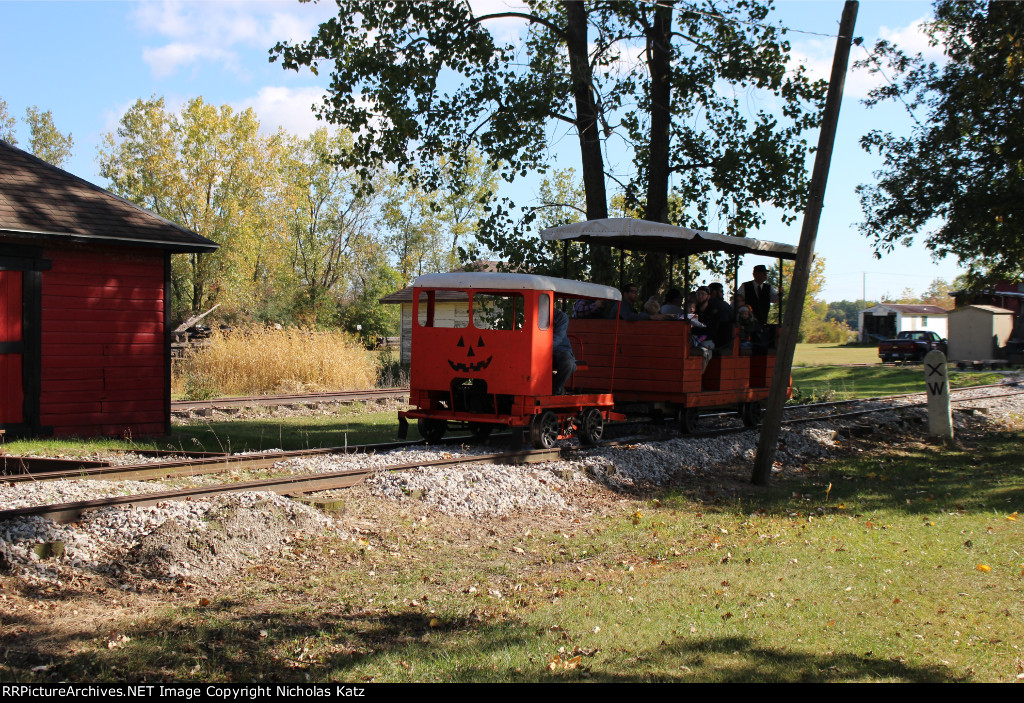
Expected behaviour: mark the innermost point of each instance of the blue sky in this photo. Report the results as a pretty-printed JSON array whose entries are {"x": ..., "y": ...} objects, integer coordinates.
[{"x": 89, "y": 61}]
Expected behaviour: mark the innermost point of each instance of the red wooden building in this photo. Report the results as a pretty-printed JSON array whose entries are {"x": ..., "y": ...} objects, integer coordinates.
[{"x": 84, "y": 305}]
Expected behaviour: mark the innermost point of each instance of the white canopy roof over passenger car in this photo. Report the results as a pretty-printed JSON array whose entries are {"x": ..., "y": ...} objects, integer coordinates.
[
  {"x": 641, "y": 235},
  {"x": 515, "y": 281}
]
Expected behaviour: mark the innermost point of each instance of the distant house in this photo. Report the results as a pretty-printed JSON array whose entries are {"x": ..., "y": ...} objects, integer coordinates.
[
  {"x": 84, "y": 305},
  {"x": 886, "y": 320}
]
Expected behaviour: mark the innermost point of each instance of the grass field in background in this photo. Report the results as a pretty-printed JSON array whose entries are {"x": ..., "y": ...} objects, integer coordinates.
[
  {"x": 265, "y": 361},
  {"x": 834, "y": 354}
]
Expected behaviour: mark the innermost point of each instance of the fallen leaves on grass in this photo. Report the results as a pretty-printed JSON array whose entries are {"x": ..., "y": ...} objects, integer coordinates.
[{"x": 983, "y": 568}]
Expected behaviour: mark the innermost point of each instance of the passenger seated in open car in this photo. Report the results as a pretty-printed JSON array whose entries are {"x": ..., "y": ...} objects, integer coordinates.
[
  {"x": 584, "y": 309},
  {"x": 748, "y": 328},
  {"x": 699, "y": 340},
  {"x": 673, "y": 303},
  {"x": 625, "y": 308}
]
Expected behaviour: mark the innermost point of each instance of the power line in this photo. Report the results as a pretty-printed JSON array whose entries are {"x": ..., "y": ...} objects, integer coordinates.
[{"x": 723, "y": 18}]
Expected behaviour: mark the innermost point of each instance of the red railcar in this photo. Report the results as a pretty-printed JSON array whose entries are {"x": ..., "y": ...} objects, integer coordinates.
[{"x": 486, "y": 362}]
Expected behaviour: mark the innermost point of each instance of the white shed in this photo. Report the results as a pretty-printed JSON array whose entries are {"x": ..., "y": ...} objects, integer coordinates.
[
  {"x": 886, "y": 320},
  {"x": 978, "y": 332}
]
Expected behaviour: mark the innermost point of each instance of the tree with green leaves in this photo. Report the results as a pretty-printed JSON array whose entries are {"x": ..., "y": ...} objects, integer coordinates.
[
  {"x": 846, "y": 312},
  {"x": 7, "y": 124},
  {"x": 938, "y": 293},
  {"x": 327, "y": 221},
  {"x": 958, "y": 179},
  {"x": 208, "y": 169},
  {"x": 431, "y": 230},
  {"x": 421, "y": 82},
  {"x": 45, "y": 140}
]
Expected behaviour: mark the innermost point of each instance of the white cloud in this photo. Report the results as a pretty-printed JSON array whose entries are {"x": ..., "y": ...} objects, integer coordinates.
[
  {"x": 290, "y": 108},
  {"x": 816, "y": 56},
  {"x": 196, "y": 31},
  {"x": 912, "y": 39},
  {"x": 505, "y": 29},
  {"x": 166, "y": 60}
]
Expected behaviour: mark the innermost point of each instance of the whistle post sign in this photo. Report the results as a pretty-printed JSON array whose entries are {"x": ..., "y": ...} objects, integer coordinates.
[{"x": 940, "y": 415}]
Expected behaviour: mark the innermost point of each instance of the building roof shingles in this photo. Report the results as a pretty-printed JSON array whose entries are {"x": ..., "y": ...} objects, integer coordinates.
[{"x": 39, "y": 199}]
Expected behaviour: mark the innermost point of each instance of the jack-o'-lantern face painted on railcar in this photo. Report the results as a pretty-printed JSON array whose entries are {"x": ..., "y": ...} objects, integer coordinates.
[{"x": 475, "y": 358}]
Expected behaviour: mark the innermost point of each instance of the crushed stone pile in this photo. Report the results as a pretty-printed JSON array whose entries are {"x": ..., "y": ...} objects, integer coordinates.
[{"x": 188, "y": 540}]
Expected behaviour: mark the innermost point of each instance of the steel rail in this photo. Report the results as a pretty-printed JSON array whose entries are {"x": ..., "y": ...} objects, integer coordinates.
[
  {"x": 205, "y": 465},
  {"x": 218, "y": 462},
  {"x": 283, "y": 485},
  {"x": 897, "y": 395}
]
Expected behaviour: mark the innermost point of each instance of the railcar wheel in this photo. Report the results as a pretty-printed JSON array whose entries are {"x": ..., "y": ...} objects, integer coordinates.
[
  {"x": 431, "y": 429},
  {"x": 689, "y": 420},
  {"x": 544, "y": 430},
  {"x": 591, "y": 427},
  {"x": 480, "y": 430},
  {"x": 750, "y": 413}
]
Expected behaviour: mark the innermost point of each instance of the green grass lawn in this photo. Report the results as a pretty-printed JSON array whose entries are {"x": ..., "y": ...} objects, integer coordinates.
[
  {"x": 355, "y": 425},
  {"x": 897, "y": 566},
  {"x": 843, "y": 383},
  {"x": 834, "y": 354}
]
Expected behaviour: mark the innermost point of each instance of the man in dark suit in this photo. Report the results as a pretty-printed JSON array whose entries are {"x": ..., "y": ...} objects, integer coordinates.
[{"x": 759, "y": 294}]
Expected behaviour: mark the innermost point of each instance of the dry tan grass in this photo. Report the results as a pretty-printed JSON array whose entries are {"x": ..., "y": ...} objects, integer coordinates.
[{"x": 266, "y": 360}]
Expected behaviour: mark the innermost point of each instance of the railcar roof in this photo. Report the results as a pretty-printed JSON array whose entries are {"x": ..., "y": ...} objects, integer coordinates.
[
  {"x": 641, "y": 235},
  {"x": 516, "y": 281}
]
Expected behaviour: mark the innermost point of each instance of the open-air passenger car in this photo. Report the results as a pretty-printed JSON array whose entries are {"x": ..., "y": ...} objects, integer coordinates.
[{"x": 654, "y": 366}]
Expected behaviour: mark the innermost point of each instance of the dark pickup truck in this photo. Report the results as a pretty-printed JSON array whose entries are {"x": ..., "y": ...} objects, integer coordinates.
[{"x": 910, "y": 346}]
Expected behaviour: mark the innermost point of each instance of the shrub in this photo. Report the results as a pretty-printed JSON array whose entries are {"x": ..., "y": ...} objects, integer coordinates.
[{"x": 265, "y": 360}]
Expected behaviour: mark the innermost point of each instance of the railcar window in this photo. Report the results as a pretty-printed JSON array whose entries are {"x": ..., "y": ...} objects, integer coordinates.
[
  {"x": 498, "y": 312},
  {"x": 544, "y": 311},
  {"x": 443, "y": 313}
]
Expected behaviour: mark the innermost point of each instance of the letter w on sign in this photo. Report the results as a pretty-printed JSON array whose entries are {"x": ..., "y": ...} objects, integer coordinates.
[{"x": 940, "y": 414}]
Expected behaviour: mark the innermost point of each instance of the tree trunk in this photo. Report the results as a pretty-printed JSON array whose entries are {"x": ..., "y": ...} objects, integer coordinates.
[
  {"x": 659, "y": 64},
  {"x": 602, "y": 266}
]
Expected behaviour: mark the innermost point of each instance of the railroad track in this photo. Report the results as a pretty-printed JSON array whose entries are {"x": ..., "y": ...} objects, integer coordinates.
[
  {"x": 308, "y": 483},
  {"x": 284, "y": 485},
  {"x": 291, "y": 399}
]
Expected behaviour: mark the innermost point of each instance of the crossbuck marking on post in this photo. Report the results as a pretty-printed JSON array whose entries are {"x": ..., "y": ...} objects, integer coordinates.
[{"x": 940, "y": 415}]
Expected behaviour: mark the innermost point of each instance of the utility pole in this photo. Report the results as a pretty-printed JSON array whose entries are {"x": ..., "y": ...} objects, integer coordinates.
[{"x": 772, "y": 425}]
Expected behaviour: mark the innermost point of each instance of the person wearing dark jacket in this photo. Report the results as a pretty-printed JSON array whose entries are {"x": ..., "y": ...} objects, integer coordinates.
[
  {"x": 563, "y": 361},
  {"x": 719, "y": 318},
  {"x": 759, "y": 294}
]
